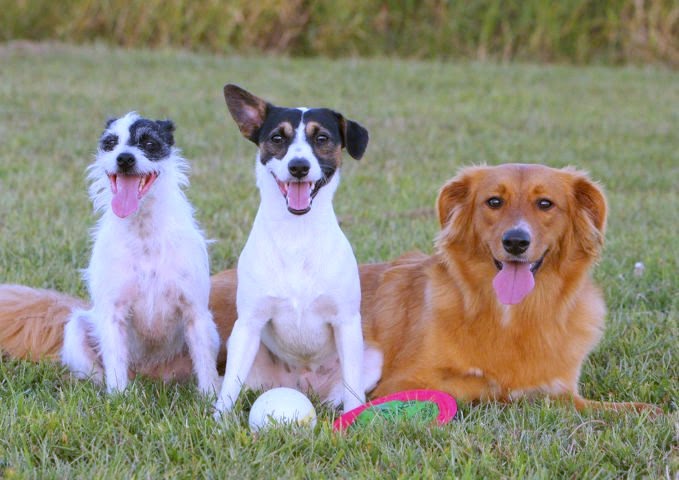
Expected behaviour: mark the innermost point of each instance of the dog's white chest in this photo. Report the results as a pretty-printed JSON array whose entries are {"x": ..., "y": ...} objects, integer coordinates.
[
  {"x": 300, "y": 331},
  {"x": 144, "y": 271},
  {"x": 299, "y": 285}
]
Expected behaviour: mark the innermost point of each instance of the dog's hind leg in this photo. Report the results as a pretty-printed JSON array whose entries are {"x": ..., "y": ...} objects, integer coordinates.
[
  {"x": 78, "y": 353},
  {"x": 202, "y": 339},
  {"x": 584, "y": 404}
]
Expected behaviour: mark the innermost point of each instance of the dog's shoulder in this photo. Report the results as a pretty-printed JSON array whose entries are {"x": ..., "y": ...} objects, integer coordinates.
[{"x": 404, "y": 280}]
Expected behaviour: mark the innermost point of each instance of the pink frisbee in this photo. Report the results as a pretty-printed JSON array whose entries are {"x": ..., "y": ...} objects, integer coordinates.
[{"x": 429, "y": 405}]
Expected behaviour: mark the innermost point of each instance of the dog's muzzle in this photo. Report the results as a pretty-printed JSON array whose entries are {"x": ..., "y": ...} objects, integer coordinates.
[{"x": 299, "y": 195}]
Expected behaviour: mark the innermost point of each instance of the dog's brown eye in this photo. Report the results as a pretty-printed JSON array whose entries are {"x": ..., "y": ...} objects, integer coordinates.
[
  {"x": 109, "y": 143},
  {"x": 494, "y": 202},
  {"x": 545, "y": 204},
  {"x": 321, "y": 139},
  {"x": 277, "y": 138}
]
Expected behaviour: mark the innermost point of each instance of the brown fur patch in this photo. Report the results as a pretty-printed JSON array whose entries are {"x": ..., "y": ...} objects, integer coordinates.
[
  {"x": 247, "y": 110},
  {"x": 271, "y": 149},
  {"x": 329, "y": 152}
]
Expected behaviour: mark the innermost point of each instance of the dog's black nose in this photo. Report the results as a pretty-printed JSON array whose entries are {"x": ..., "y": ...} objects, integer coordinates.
[
  {"x": 125, "y": 160},
  {"x": 516, "y": 241},
  {"x": 299, "y": 167}
]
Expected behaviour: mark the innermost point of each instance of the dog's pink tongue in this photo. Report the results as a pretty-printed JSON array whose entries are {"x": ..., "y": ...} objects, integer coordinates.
[
  {"x": 299, "y": 195},
  {"x": 126, "y": 197},
  {"x": 513, "y": 282}
]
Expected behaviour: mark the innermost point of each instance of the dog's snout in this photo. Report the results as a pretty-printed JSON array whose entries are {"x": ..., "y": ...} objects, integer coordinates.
[
  {"x": 516, "y": 241},
  {"x": 125, "y": 160},
  {"x": 299, "y": 167}
]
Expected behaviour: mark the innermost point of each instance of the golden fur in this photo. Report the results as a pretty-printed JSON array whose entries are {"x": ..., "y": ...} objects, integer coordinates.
[
  {"x": 32, "y": 321},
  {"x": 436, "y": 317}
]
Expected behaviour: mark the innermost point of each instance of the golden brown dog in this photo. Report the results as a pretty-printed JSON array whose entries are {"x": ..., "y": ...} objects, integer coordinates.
[{"x": 504, "y": 308}]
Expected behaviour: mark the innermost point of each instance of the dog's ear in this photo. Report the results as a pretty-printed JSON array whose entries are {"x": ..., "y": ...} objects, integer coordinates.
[
  {"x": 591, "y": 212},
  {"x": 354, "y": 136},
  {"x": 167, "y": 128},
  {"x": 247, "y": 110},
  {"x": 109, "y": 121},
  {"x": 452, "y": 195}
]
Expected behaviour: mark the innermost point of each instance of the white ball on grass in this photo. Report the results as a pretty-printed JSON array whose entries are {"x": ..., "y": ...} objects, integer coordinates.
[{"x": 283, "y": 406}]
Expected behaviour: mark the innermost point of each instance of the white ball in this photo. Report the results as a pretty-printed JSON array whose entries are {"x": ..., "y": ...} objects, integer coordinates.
[{"x": 281, "y": 405}]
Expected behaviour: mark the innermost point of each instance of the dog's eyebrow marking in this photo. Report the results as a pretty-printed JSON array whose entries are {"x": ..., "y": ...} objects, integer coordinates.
[
  {"x": 286, "y": 128},
  {"x": 315, "y": 127},
  {"x": 493, "y": 190}
]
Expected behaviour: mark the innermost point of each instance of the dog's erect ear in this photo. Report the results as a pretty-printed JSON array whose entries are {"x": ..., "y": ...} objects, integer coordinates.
[
  {"x": 167, "y": 128},
  {"x": 354, "y": 136},
  {"x": 247, "y": 110},
  {"x": 590, "y": 218}
]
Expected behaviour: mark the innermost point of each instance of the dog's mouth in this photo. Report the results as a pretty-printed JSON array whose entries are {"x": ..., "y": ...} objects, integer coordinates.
[
  {"x": 128, "y": 190},
  {"x": 515, "y": 279},
  {"x": 299, "y": 195}
]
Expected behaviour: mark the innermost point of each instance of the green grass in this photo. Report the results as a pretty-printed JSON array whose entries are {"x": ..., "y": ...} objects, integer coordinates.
[{"x": 426, "y": 120}]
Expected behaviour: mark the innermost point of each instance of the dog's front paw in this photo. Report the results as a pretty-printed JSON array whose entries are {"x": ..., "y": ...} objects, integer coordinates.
[
  {"x": 210, "y": 388},
  {"x": 351, "y": 403},
  {"x": 221, "y": 407},
  {"x": 114, "y": 389},
  {"x": 115, "y": 384}
]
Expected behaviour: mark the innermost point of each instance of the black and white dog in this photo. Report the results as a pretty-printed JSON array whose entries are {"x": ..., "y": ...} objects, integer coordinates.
[
  {"x": 149, "y": 276},
  {"x": 298, "y": 295}
]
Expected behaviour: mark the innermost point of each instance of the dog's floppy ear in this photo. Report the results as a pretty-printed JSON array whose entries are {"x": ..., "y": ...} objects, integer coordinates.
[
  {"x": 167, "y": 128},
  {"x": 454, "y": 194},
  {"x": 354, "y": 136},
  {"x": 247, "y": 110},
  {"x": 591, "y": 211}
]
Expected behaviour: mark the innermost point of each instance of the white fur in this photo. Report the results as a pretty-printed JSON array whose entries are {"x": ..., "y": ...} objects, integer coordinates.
[
  {"x": 298, "y": 298},
  {"x": 148, "y": 279}
]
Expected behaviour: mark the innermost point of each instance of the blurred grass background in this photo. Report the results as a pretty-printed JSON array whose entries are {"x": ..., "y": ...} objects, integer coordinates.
[{"x": 566, "y": 31}]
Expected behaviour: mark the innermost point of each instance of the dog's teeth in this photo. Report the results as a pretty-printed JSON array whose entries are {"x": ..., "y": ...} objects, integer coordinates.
[{"x": 142, "y": 183}]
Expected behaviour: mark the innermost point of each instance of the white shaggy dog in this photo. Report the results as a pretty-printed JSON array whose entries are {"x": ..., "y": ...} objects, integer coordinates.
[
  {"x": 148, "y": 276},
  {"x": 298, "y": 296}
]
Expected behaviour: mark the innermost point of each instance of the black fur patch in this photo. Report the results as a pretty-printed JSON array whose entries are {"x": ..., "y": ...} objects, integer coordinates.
[
  {"x": 279, "y": 128},
  {"x": 154, "y": 138},
  {"x": 279, "y": 121},
  {"x": 324, "y": 135},
  {"x": 109, "y": 142}
]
